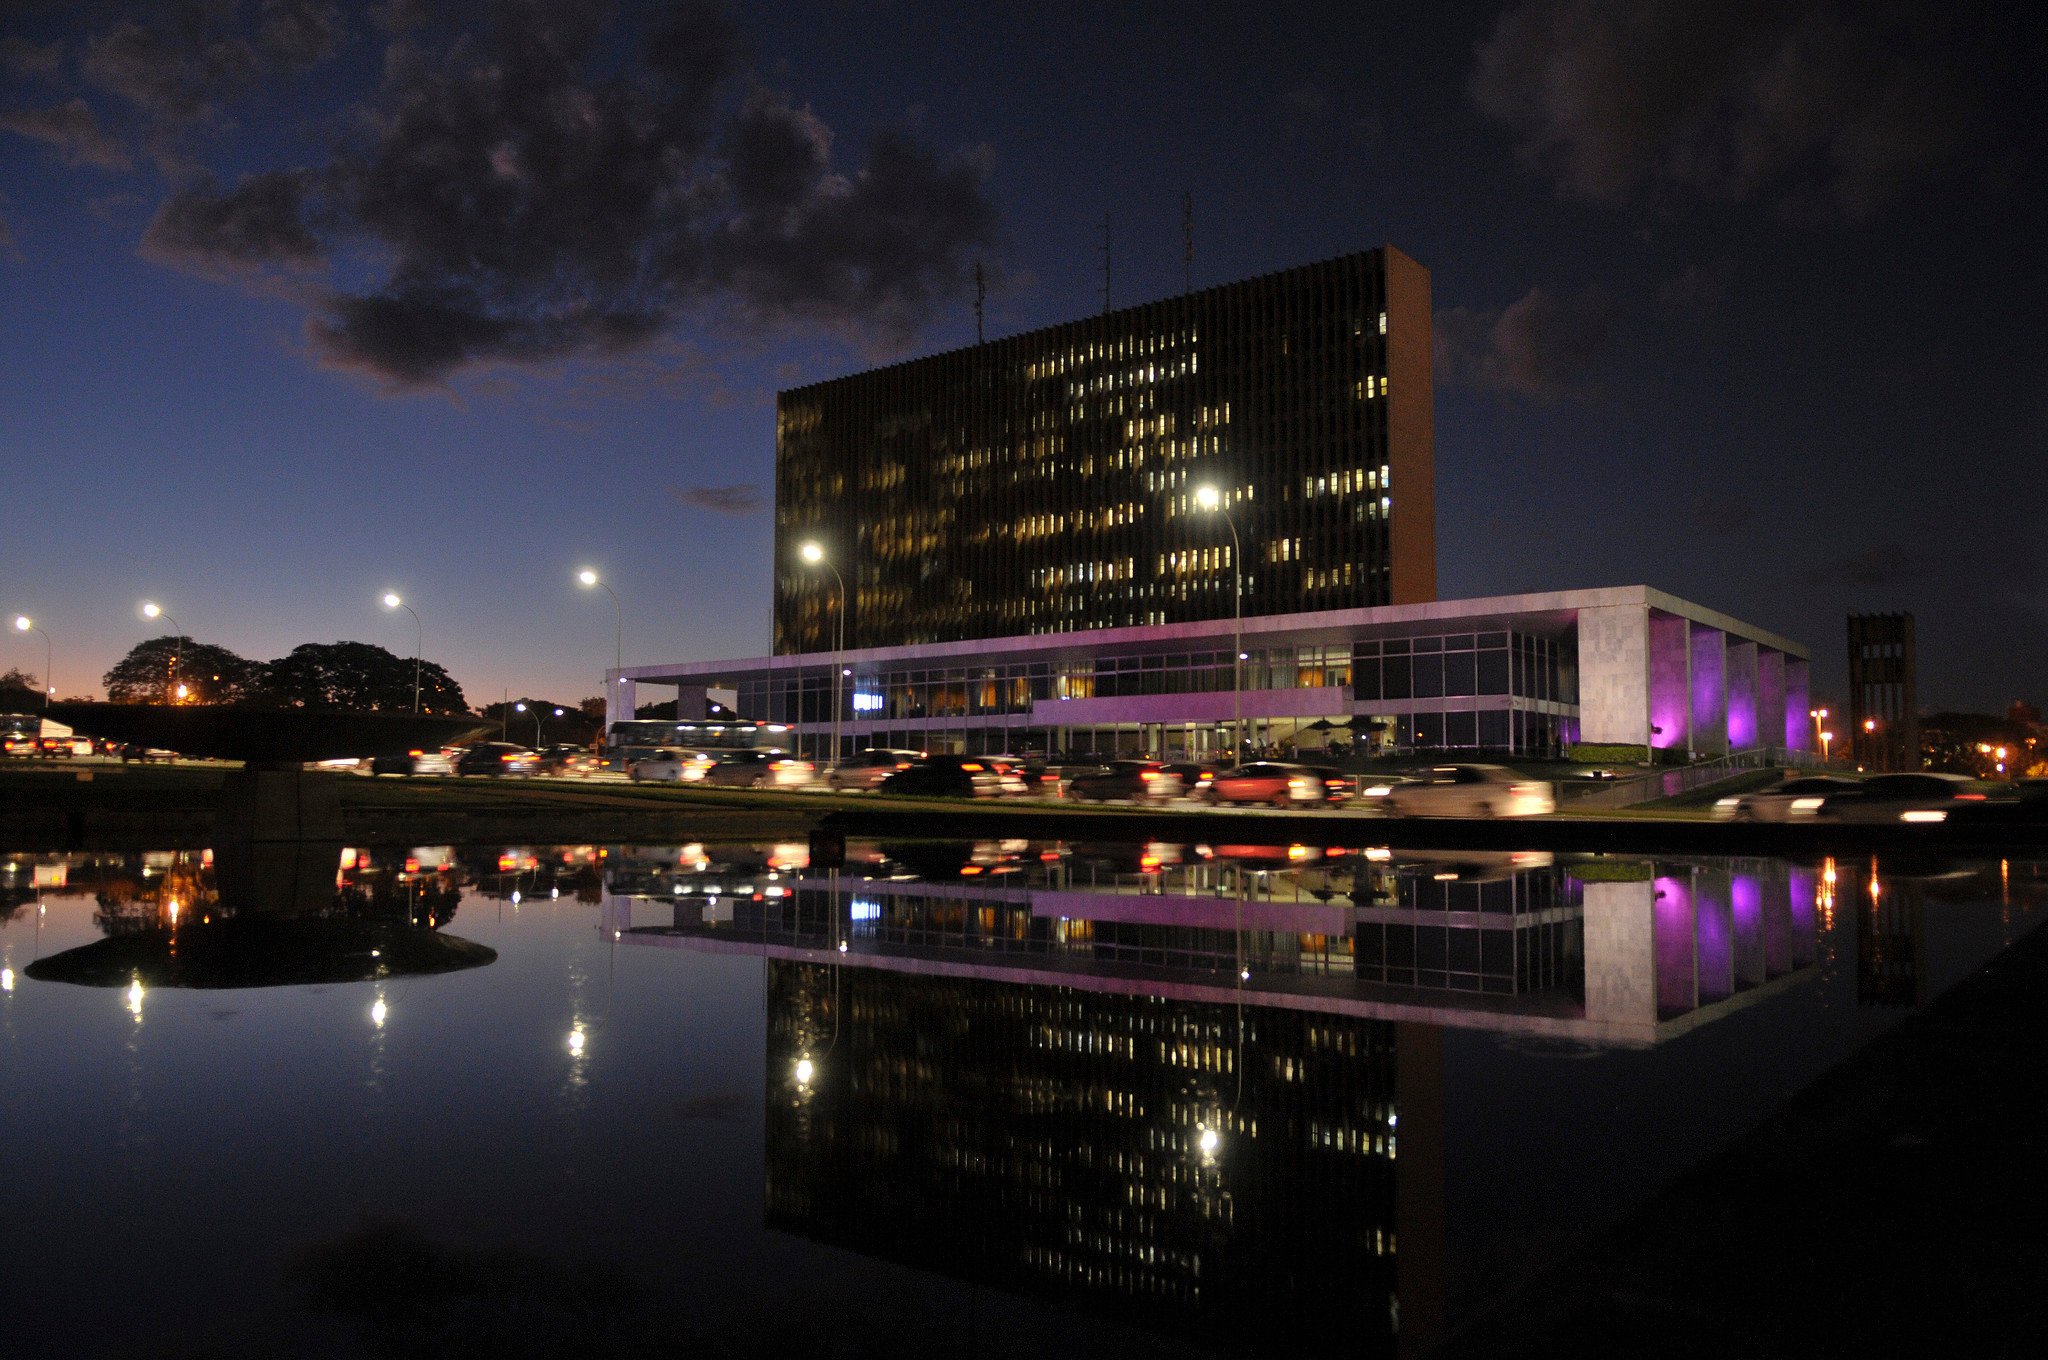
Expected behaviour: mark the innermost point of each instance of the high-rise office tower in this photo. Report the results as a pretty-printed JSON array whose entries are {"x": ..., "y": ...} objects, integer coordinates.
[{"x": 1047, "y": 482}]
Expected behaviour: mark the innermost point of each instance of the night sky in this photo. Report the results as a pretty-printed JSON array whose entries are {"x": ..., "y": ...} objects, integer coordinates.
[{"x": 303, "y": 302}]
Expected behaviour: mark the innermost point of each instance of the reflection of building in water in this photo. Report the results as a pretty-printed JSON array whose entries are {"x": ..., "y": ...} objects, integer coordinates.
[
  {"x": 1606, "y": 951},
  {"x": 1889, "y": 941},
  {"x": 1211, "y": 1170}
]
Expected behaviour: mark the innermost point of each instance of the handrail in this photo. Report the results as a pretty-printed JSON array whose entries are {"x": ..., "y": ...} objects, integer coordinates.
[{"x": 1676, "y": 779}]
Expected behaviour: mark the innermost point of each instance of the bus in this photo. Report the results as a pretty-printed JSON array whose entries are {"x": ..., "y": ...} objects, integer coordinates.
[{"x": 628, "y": 741}]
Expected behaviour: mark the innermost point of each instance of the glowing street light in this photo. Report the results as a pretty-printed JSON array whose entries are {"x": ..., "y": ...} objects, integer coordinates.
[
  {"x": 1207, "y": 497},
  {"x": 1817, "y": 714},
  {"x": 1825, "y": 738},
  {"x": 805, "y": 1070},
  {"x": 576, "y": 1042},
  {"x": 24, "y": 624},
  {"x": 590, "y": 578},
  {"x": 813, "y": 552},
  {"x": 152, "y": 610},
  {"x": 419, "y": 641},
  {"x": 540, "y": 712}
]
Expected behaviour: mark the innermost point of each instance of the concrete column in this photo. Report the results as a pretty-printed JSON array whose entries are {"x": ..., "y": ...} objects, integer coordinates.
[
  {"x": 619, "y": 698},
  {"x": 1802, "y": 887},
  {"x": 1716, "y": 932},
  {"x": 1621, "y": 954},
  {"x": 1742, "y": 728},
  {"x": 1798, "y": 727},
  {"x": 1770, "y": 697},
  {"x": 1670, "y": 682},
  {"x": 1746, "y": 911},
  {"x": 1614, "y": 674},
  {"x": 1677, "y": 946},
  {"x": 1709, "y": 691}
]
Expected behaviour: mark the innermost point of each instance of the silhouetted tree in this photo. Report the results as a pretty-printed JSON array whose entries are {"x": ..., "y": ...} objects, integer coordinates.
[
  {"x": 153, "y": 670},
  {"x": 20, "y": 692},
  {"x": 359, "y": 675}
]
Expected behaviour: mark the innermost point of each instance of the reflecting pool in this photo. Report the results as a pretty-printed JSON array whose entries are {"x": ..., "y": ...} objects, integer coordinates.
[{"x": 900, "y": 1096}]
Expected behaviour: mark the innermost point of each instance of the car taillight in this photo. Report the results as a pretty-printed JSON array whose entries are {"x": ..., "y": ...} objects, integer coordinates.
[
  {"x": 971, "y": 768},
  {"x": 415, "y": 753},
  {"x": 1149, "y": 776},
  {"x": 508, "y": 757},
  {"x": 902, "y": 764}
]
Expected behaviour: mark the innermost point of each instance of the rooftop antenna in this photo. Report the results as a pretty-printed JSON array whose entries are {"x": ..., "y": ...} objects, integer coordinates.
[
  {"x": 1187, "y": 242},
  {"x": 1105, "y": 264},
  {"x": 980, "y": 296}
]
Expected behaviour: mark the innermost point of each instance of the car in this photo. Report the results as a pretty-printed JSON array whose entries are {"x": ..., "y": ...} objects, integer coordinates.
[
  {"x": 1376, "y": 789},
  {"x": 66, "y": 747},
  {"x": 759, "y": 769},
  {"x": 670, "y": 765},
  {"x": 1127, "y": 781},
  {"x": 498, "y": 759},
  {"x": 1921, "y": 797},
  {"x": 955, "y": 777},
  {"x": 568, "y": 758},
  {"x": 1194, "y": 779},
  {"x": 1268, "y": 781},
  {"x": 1471, "y": 791},
  {"x": 416, "y": 762},
  {"x": 866, "y": 769},
  {"x": 1338, "y": 785},
  {"x": 1792, "y": 800}
]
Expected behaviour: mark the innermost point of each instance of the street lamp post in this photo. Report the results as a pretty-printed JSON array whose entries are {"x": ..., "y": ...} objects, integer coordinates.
[
  {"x": 1209, "y": 498},
  {"x": 538, "y": 716},
  {"x": 814, "y": 553},
  {"x": 419, "y": 641},
  {"x": 24, "y": 624},
  {"x": 151, "y": 610},
  {"x": 590, "y": 578},
  {"x": 1818, "y": 715}
]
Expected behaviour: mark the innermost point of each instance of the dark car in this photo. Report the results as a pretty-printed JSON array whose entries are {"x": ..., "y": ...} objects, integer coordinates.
[
  {"x": 954, "y": 777},
  {"x": 1128, "y": 781},
  {"x": 496, "y": 758},
  {"x": 1338, "y": 786},
  {"x": 567, "y": 758},
  {"x": 759, "y": 769},
  {"x": 1923, "y": 797},
  {"x": 865, "y": 769}
]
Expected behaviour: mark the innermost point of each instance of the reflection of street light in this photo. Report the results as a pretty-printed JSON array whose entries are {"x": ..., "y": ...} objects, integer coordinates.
[
  {"x": 419, "y": 641},
  {"x": 576, "y": 1042},
  {"x": 805, "y": 1070},
  {"x": 24, "y": 624},
  {"x": 1209, "y": 498},
  {"x": 814, "y": 553},
  {"x": 151, "y": 610}
]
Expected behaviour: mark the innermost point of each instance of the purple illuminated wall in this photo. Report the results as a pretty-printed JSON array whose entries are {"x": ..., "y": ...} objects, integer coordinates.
[
  {"x": 1677, "y": 989},
  {"x": 1741, "y": 695},
  {"x": 1746, "y": 912},
  {"x": 1770, "y": 694},
  {"x": 1669, "y": 702},
  {"x": 1709, "y": 688},
  {"x": 1798, "y": 726},
  {"x": 1717, "y": 940}
]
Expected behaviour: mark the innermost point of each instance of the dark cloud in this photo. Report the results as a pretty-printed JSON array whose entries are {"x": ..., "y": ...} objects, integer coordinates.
[
  {"x": 741, "y": 498},
  {"x": 32, "y": 61},
  {"x": 181, "y": 61},
  {"x": 512, "y": 196},
  {"x": 1823, "y": 108},
  {"x": 1886, "y": 564},
  {"x": 72, "y": 131},
  {"x": 1540, "y": 347},
  {"x": 258, "y": 224}
]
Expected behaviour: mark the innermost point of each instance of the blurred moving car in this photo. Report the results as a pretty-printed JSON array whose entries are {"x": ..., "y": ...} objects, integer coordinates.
[
  {"x": 669, "y": 765},
  {"x": 1471, "y": 791},
  {"x": 955, "y": 777},
  {"x": 866, "y": 769},
  {"x": 1338, "y": 786},
  {"x": 567, "y": 758},
  {"x": 759, "y": 769},
  {"x": 1268, "y": 781},
  {"x": 416, "y": 762},
  {"x": 499, "y": 759},
  {"x": 1375, "y": 789},
  {"x": 1794, "y": 800},
  {"x": 1129, "y": 781},
  {"x": 1922, "y": 797}
]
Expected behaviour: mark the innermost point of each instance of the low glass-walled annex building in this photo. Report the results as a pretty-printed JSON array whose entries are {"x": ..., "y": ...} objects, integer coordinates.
[{"x": 1508, "y": 673}]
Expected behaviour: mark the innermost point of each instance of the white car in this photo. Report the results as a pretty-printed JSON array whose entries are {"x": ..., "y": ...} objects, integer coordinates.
[
  {"x": 670, "y": 765},
  {"x": 1471, "y": 791}
]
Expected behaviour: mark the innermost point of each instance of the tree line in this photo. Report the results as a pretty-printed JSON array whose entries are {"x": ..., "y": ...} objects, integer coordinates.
[{"x": 354, "y": 675}]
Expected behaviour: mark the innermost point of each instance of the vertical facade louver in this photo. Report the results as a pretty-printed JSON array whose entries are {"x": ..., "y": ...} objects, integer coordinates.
[{"x": 1046, "y": 482}]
